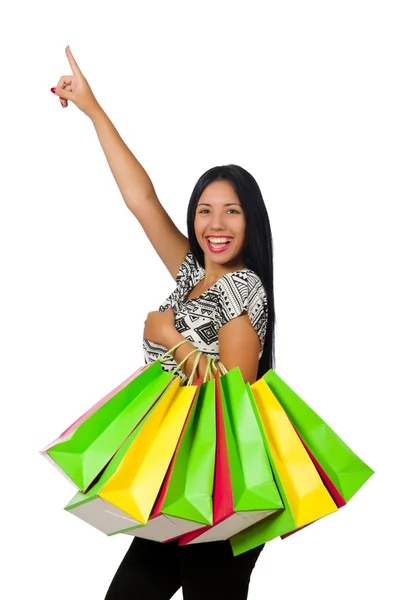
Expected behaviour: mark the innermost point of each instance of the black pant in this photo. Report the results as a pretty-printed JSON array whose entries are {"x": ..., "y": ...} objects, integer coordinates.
[{"x": 209, "y": 571}]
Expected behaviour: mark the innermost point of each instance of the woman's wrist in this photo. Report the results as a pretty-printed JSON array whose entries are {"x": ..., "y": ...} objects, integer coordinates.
[
  {"x": 97, "y": 113},
  {"x": 172, "y": 338}
]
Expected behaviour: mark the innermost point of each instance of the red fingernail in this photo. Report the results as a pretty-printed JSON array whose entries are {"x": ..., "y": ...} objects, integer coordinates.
[{"x": 53, "y": 90}]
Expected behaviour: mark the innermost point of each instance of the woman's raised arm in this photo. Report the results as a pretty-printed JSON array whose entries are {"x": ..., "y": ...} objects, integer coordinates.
[
  {"x": 140, "y": 197},
  {"x": 133, "y": 182}
]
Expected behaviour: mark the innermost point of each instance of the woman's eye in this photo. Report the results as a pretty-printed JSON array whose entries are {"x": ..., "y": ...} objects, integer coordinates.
[{"x": 231, "y": 209}]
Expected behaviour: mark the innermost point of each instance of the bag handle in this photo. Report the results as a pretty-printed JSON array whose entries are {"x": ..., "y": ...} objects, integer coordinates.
[
  {"x": 207, "y": 370},
  {"x": 195, "y": 364},
  {"x": 210, "y": 363},
  {"x": 222, "y": 367},
  {"x": 168, "y": 356}
]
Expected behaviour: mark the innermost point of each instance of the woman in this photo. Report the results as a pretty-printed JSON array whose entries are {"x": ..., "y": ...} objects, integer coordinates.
[{"x": 223, "y": 304}]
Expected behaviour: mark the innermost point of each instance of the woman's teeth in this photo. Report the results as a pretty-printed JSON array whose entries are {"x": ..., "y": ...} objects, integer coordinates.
[
  {"x": 221, "y": 241},
  {"x": 218, "y": 244}
]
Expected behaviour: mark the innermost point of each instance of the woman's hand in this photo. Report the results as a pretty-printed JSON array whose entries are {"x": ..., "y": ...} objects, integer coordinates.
[
  {"x": 158, "y": 326},
  {"x": 76, "y": 89}
]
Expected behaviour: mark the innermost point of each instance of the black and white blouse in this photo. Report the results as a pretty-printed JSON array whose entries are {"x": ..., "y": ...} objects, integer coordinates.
[{"x": 199, "y": 319}]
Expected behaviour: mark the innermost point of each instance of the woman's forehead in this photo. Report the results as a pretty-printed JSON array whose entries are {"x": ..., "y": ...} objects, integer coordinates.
[{"x": 219, "y": 192}]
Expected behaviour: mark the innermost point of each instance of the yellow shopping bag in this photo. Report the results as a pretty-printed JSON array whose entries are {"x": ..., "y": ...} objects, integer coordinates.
[
  {"x": 134, "y": 486},
  {"x": 304, "y": 494},
  {"x": 132, "y": 476}
]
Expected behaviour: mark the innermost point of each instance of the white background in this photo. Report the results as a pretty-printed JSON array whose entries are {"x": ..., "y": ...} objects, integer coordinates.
[{"x": 303, "y": 95}]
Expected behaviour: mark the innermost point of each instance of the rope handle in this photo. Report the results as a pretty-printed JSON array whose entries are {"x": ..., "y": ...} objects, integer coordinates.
[
  {"x": 168, "y": 356},
  {"x": 222, "y": 367},
  {"x": 207, "y": 370},
  {"x": 210, "y": 363},
  {"x": 195, "y": 365}
]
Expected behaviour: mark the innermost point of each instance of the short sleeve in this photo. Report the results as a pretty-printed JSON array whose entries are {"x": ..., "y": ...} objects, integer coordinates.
[
  {"x": 243, "y": 291},
  {"x": 189, "y": 270},
  {"x": 189, "y": 273}
]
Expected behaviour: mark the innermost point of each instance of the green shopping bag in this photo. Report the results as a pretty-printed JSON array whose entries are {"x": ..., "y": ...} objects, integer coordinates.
[
  {"x": 185, "y": 501},
  {"x": 84, "y": 449},
  {"x": 254, "y": 487},
  {"x": 98, "y": 512},
  {"x": 346, "y": 470},
  {"x": 126, "y": 491},
  {"x": 189, "y": 493},
  {"x": 245, "y": 491},
  {"x": 304, "y": 494}
]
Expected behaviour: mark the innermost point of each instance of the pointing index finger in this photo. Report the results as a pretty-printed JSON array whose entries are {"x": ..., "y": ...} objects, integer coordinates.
[{"x": 72, "y": 62}]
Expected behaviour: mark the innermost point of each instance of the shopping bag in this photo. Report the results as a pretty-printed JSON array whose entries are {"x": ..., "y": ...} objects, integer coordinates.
[
  {"x": 335, "y": 495},
  {"x": 333, "y": 490},
  {"x": 185, "y": 500},
  {"x": 127, "y": 489},
  {"x": 245, "y": 491},
  {"x": 346, "y": 472},
  {"x": 85, "y": 448},
  {"x": 135, "y": 485},
  {"x": 95, "y": 510},
  {"x": 305, "y": 497}
]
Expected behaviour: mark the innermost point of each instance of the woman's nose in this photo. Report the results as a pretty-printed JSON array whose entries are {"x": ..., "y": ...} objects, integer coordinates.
[{"x": 217, "y": 222}]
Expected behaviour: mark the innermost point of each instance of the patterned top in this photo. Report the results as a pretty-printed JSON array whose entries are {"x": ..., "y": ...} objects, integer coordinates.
[{"x": 199, "y": 319}]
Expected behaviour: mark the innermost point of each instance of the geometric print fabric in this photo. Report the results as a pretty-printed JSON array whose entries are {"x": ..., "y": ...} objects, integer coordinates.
[{"x": 199, "y": 319}]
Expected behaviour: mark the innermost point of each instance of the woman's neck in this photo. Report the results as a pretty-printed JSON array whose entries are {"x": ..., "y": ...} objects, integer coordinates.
[{"x": 214, "y": 271}]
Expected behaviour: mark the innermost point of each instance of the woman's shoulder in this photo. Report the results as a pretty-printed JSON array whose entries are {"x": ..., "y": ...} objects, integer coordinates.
[
  {"x": 190, "y": 270},
  {"x": 244, "y": 284},
  {"x": 242, "y": 291},
  {"x": 239, "y": 291}
]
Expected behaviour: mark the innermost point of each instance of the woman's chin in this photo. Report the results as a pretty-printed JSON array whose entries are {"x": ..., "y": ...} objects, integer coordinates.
[{"x": 222, "y": 258}]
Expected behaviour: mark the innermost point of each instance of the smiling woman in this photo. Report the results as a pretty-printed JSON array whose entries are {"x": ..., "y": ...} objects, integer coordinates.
[
  {"x": 223, "y": 225},
  {"x": 206, "y": 316},
  {"x": 223, "y": 305},
  {"x": 226, "y": 202}
]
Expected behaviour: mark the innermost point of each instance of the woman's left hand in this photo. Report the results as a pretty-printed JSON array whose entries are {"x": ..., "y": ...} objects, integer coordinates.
[{"x": 158, "y": 325}]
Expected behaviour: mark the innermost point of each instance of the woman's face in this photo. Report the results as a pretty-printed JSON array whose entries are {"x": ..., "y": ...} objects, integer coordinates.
[{"x": 220, "y": 219}]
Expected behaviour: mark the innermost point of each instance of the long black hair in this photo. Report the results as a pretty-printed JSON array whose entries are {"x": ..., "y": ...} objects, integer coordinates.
[{"x": 258, "y": 244}]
